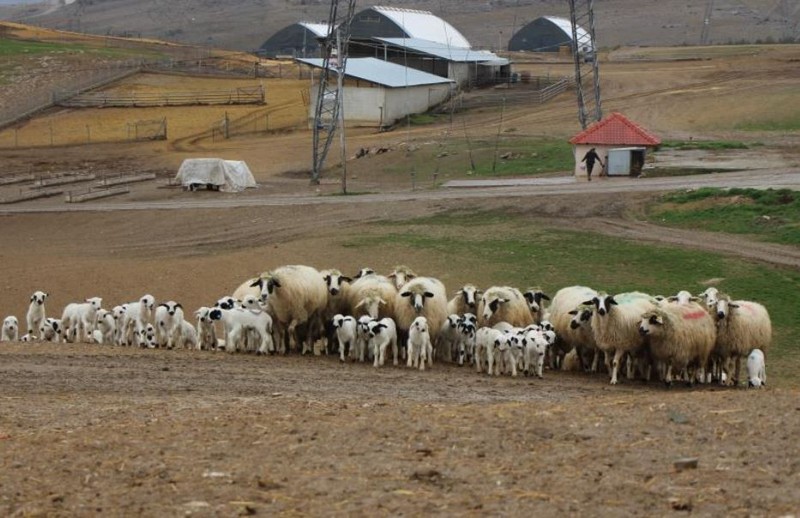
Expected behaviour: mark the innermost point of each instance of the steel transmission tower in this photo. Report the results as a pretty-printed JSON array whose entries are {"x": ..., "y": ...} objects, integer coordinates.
[
  {"x": 584, "y": 53},
  {"x": 328, "y": 113}
]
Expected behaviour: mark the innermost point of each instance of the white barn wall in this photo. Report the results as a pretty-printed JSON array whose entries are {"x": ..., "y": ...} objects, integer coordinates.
[
  {"x": 419, "y": 99},
  {"x": 580, "y": 151}
]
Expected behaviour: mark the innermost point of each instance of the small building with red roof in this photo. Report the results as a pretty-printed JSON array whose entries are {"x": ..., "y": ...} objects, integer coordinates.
[{"x": 620, "y": 143}]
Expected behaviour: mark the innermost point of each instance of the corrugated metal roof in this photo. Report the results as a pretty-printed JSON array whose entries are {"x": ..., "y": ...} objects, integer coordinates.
[
  {"x": 440, "y": 50},
  {"x": 616, "y": 130},
  {"x": 424, "y": 25},
  {"x": 383, "y": 73},
  {"x": 320, "y": 29},
  {"x": 584, "y": 40}
]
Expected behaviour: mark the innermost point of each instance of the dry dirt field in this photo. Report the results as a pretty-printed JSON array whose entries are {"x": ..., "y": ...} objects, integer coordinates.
[{"x": 93, "y": 430}]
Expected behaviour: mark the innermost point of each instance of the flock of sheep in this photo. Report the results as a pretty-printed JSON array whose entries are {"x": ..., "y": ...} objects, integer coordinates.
[{"x": 499, "y": 330}]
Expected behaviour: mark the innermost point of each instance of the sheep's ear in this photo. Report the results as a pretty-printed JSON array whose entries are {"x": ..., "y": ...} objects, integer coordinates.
[
  {"x": 592, "y": 302},
  {"x": 33, "y": 297},
  {"x": 178, "y": 305},
  {"x": 428, "y": 294},
  {"x": 257, "y": 283},
  {"x": 695, "y": 299},
  {"x": 611, "y": 301},
  {"x": 162, "y": 305},
  {"x": 276, "y": 284},
  {"x": 346, "y": 279},
  {"x": 405, "y": 294},
  {"x": 732, "y": 305},
  {"x": 392, "y": 275},
  {"x": 573, "y": 312},
  {"x": 672, "y": 298},
  {"x": 381, "y": 302},
  {"x": 410, "y": 276},
  {"x": 545, "y": 297},
  {"x": 657, "y": 320},
  {"x": 327, "y": 278}
]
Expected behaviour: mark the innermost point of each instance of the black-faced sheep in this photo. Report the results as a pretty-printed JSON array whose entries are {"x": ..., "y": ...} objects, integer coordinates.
[
  {"x": 421, "y": 297},
  {"x": 372, "y": 295},
  {"x": 297, "y": 297},
  {"x": 615, "y": 325},
  {"x": 535, "y": 298},
  {"x": 465, "y": 300},
  {"x": 563, "y": 308},
  {"x": 681, "y": 336},
  {"x": 503, "y": 304},
  {"x": 742, "y": 326}
]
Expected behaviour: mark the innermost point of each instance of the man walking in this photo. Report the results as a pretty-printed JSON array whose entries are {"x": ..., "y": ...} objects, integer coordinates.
[{"x": 590, "y": 158}]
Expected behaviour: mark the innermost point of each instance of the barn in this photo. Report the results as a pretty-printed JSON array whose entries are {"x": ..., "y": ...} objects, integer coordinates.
[
  {"x": 395, "y": 22},
  {"x": 377, "y": 93},
  {"x": 300, "y": 40},
  {"x": 548, "y": 34},
  {"x": 621, "y": 144}
]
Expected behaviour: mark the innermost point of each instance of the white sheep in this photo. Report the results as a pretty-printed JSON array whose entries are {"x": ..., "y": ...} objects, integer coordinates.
[
  {"x": 27, "y": 337},
  {"x": 10, "y": 331},
  {"x": 448, "y": 338},
  {"x": 337, "y": 286},
  {"x": 240, "y": 322},
  {"x": 363, "y": 272},
  {"x": 146, "y": 337},
  {"x": 503, "y": 304},
  {"x": 50, "y": 330},
  {"x": 297, "y": 297},
  {"x": 186, "y": 336},
  {"x": 346, "y": 333},
  {"x": 36, "y": 311},
  {"x": 680, "y": 336},
  {"x": 572, "y": 332},
  {"x": 118, "y": 312},
  {"x": 710, "y": 297},
  {"x": 466, "y": 343},
  {"x": 615, "y": 325},
  {"x": 382, "y": 333},
  {"x": 136, "y": 317},
  {"x": 372, "y": 295},
  {"x": 465, "y": 300},
  {"x": 421, "y": 296},
  {"x": 105, "y": 327},
  {"x": 401, "y": 275},
  {"x": 206, "y": 332},
  {"x": 420, "y": 348},
  {"x": 168, "y": 318},
  {"x": 78, "y": 319},
  {"x": 535, "y": 341},
  {"x": 756, "y": 369},
  {"x": 683, "y": 298},
  {"x": 535, "y": 298},
  {"x": 362, "y": 338},
  {"x": 487, "y": 341},
  {"x": 742, "y": 326}
]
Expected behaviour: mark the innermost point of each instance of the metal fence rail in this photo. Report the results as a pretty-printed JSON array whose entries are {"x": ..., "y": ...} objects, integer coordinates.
[{"x": 252, "y": 95}]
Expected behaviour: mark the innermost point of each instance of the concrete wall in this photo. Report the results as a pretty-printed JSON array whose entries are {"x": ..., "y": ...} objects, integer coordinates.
[
  {"x": 580, "y": 151},
  {"x": 419, "y": 99},
  {"x": 459, "y": 72}
]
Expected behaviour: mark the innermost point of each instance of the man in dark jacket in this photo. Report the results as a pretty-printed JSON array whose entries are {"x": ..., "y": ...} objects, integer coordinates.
[{"x": 590, "y": 158}]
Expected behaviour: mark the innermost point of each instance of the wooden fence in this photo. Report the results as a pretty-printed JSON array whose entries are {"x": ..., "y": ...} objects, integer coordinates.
[{"x": 247, "y": 95}]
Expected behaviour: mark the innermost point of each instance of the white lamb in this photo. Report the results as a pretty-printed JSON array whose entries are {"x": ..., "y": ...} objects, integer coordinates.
[
  {"x": 168, "y": 318},
  {"x": 503, "y": 304},
  {"x": 206, "y": 332},
  {"x": 105, "y": 327},
  {"x": 78, "y": 319},
  {"x": 240, "y": 322},
  {"x": 36, "y": 311},
  {"x": 382, "y": 333},
  {"x": 536, "y": 343},
  {"x": 487, "y": 341},
  {"x": 146, "y": 337},
  {"x": 346, "y": 333},
  {"x": 186, "y": 336},
  {"x": 449, "y": 338},
  {"x": 466, "y": 342},
  {"x": 465, "y": 300},
  {"x": 615, "y": 325},
  {"x": 118, "y": 312},
  {"x": 50, "y": 330},
  {"x": 422, "y": 297},
  {"x": 136, "y": 317},
  {"x": 756, "y": 369},
  {"x": 420, "y": 348},
  {"x": 297, "y": 297},
  {"x": 10, "y": 331},
  {"x": 742, "y": 326},
  {"x": 337, "y": 286},
  {"x": 362, "y": 338},
  {"x": 680, "y": 336}
]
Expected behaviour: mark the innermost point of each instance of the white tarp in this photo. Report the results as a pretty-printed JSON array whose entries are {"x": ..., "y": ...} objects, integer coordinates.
[{"x": 227, "y": 175}]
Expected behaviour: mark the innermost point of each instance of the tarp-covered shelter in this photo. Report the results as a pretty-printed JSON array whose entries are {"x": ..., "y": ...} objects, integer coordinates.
[
  {"x": 216, "y": 174},
  {"x": 394, "y": 22},
  {"x": 299, "y": 40},
  {"x": 548, "y": 34},
  {"x": 621, "y": 144}
]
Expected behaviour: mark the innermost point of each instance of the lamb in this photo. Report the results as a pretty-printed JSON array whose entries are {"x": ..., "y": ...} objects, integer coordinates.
[
  {"x": 756, "y": 370},
  {"x": 78, "y": 319},
  {"x": 186, "y": 336},
  {"x": 572, "y": 333},
  {"x": 137, "y": 315},
  {"x": 503, "y": 304},
  {"x": 36, "y": 311},
  {"x": 50, "y": 330},
  {"x": 337, "y": 286},
  {"x": 168, "y": 318},
  {"x": 488, "y": 339},
  {"x": 10, "y": 331},
  {"x": 362, "y": 337},
  {"x": 681, "y": 336},
  {"x": 615, "y": 325},
  {"x": 206, "y": 332},
  {"x": 422, "y": 296},
  {"x": 346, "y": 333},
  {"x": 465, "y": 300},
  {"x": 449, "y": 337},
  {"x": 147, "y": 337},
  {"x": 382, "y": 333},
  {"x": 420, "y": 348},
  {"x": 297, "y": 296},
  {"x": 535, "y": 297},
  {"x": 239, "y": 322},
  {"x": 402, "y": 275},
  {"x": 118, "y": 312},
  {"x": 535, "y": 341},
  {"x": 105, "y": 327},
  {"x": 466, "y": 342},
  {"x": 742, "y": 326}
]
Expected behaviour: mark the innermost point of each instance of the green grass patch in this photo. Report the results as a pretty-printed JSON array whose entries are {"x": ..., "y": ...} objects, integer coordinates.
[
  {"x": 660, "y": 172},
  {"x": 12, "y": 47},
  {"x": 501, "y": 248},
  {"x": 791, "y": 123},
  {"x": 709, "y": 145},
  {"x": 770, "y": 215}
]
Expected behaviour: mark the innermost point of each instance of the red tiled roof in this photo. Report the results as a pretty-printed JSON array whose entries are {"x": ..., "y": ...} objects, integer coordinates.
[{"x": 616, "y": 130}]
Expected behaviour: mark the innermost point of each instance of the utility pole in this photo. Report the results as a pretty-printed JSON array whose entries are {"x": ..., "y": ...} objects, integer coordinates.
[{"x": 584, "y": 54}]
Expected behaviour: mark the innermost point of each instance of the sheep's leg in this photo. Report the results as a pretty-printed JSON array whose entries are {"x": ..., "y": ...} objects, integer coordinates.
[
  {"x": 394, "y": 351},
  {"x": 341, "y": 351},
  {"x": 668, "y": 376},
  {"x": 489, "y": 360},
  {"x": 615, "y": 365},
  {"x": 375, "y": 354},
  {"x": 630, "y": 367},
  {"x": 422, "y": 356},
  {"x": 513, "y": 360},
  {"x": 411, "y": 354},
  {"x": 539, "y": 366}
]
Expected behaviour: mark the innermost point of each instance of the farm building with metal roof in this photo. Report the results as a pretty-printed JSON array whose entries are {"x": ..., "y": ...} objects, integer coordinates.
[
  {"x": 621, "y": 144},
  {"x": 393, "y": 22},
  {"x": 379, "y": 93},
  {"x": 548, "y": 34},
  {"x": 299, "y": 40}
]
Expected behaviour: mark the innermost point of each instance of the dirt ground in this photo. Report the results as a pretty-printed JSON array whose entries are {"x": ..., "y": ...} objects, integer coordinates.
[{"x": 91, "y": 430}]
